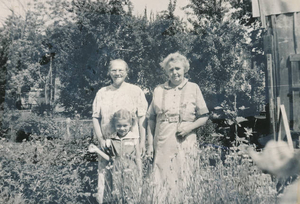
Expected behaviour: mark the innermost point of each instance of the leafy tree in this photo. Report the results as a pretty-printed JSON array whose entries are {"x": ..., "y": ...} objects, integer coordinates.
[
  {"x": 22, "y": 54},
  {"x": 73, "y": 41},
  {"x": 103, "y": 36},
  {"x": 222, "y": 54},
  {"x": 4, "y": 44}
]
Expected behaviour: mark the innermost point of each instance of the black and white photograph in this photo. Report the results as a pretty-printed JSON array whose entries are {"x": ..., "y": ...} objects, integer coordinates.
[{"x": 150, "y": 101}]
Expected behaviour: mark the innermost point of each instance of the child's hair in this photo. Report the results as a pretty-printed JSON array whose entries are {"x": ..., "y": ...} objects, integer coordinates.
[{"x": 123, "y": 115}]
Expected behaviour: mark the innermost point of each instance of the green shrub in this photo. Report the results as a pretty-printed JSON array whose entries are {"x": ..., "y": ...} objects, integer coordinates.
[
  {"x": 205, "y": 134},
  {"x": 236, "y": 180},
  {"x": 31, "y": 123},
  {"x": 56, "y": 171},
  {"x": 46, "y": 171}
]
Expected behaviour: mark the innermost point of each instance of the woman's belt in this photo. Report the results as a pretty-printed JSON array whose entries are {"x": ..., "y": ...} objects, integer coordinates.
[
  {"x": 173, "y": 119},
  {"x": 170, "y": 119}
]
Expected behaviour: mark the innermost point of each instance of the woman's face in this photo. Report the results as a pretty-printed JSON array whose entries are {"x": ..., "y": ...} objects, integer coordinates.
[
  {"x": 118, "y": 73},
  {"x": 175, "y": 72}
]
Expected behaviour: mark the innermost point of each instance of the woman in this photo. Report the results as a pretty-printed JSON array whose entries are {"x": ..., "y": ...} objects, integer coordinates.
[
  {"x": 177, "y": 109},
  {"x": 110, "y": 99}
]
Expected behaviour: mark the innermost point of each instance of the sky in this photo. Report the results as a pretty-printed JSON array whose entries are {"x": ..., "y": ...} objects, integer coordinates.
[
  {"x": 157, "y": 6},
  {"x": 6, "y": 7},
  {"x": 19, "y": 6}
]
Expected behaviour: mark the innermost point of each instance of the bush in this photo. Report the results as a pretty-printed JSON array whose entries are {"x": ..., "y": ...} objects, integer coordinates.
[
  {"x": 205, "y": 134},
  {"x": 29, "y": 123},
  {"x": 19, "y": 125},
  {"x": 46, "y": 171},
  {"x": 56, "y": 171}
]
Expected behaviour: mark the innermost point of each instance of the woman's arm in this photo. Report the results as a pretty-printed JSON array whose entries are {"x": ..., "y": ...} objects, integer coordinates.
[
  {"x": 98, "y": 132},
  {"x": 151, "y": 132},
  {"x": 185, "y": 130},
  {"x": 201, "y": 111},
  {"x": 142, "y": 131},
  {"x": 138, "y": 158}
]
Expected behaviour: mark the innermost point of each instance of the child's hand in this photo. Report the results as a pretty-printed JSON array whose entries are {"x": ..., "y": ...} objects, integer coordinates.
[{"x": 92, "y": 148}]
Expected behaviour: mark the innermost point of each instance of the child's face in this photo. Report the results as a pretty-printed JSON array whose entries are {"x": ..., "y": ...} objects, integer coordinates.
[{"x": 122, "y": 127}]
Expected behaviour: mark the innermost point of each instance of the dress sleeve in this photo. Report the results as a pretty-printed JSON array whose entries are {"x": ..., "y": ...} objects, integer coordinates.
[
  {"x": 201, "y": 107},
  {"x": 142, "y": 104},
  {"x": 96, "y": 106}
]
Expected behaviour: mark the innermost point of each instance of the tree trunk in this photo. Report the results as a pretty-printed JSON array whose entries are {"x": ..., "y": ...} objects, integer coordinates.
[{"x": 50, "y": 82}]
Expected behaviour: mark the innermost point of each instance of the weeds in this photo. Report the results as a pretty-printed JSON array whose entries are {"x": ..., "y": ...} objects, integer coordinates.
[
  {"x": 45, "y": 171},
  {"x": 56, "y": 171},
  {"x": 50, "y": 169}
]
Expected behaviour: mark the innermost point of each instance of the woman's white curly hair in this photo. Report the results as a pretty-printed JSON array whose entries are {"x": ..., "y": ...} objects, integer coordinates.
[{"x": 175, "y": 57}]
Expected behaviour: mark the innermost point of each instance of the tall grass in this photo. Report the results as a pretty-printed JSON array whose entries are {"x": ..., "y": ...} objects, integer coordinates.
[
  {"x": 46, "y": 171},
  {"x": 57, "y": 171},
  {"x": 233, "y": 179}
]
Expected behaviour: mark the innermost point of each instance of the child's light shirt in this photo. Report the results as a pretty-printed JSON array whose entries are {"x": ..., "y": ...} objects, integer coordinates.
[{"x": 125, "y": 147}]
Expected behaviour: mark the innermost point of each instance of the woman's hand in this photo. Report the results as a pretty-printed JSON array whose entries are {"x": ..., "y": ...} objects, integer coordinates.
[
  {"x": 150, "y": 130},
  {"x": 150, "y": 151},
  {"x": 142, "y": 149},
  {"x": 102, "y": 143},
  {"x": 183, "y": 131},
  {"x": 107, "y": 143}
]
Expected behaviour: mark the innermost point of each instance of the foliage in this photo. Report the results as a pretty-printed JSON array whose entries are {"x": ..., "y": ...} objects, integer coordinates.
[
  {"x": 45, "y": 171},
  {"x": 19, "y": 125},
  {"x": 221, "y": 52},
  {"x": 75, "y": 40},
  {"x": 3, "y": 58},
  {"x": 207, "y": 134},
  {"x": 51, "y": 171}
]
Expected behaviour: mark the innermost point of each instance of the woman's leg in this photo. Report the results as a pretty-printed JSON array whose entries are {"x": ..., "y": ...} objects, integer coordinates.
[
  {"x": 100, "y": 192},
  {"x": 104, "y": 182}
]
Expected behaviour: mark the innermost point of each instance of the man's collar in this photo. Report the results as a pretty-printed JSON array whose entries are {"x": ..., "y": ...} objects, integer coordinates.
[{"x": 180, "y": 86}]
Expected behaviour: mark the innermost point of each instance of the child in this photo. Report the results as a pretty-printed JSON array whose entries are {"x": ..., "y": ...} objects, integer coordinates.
[{"x": 123, "y": 152}]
